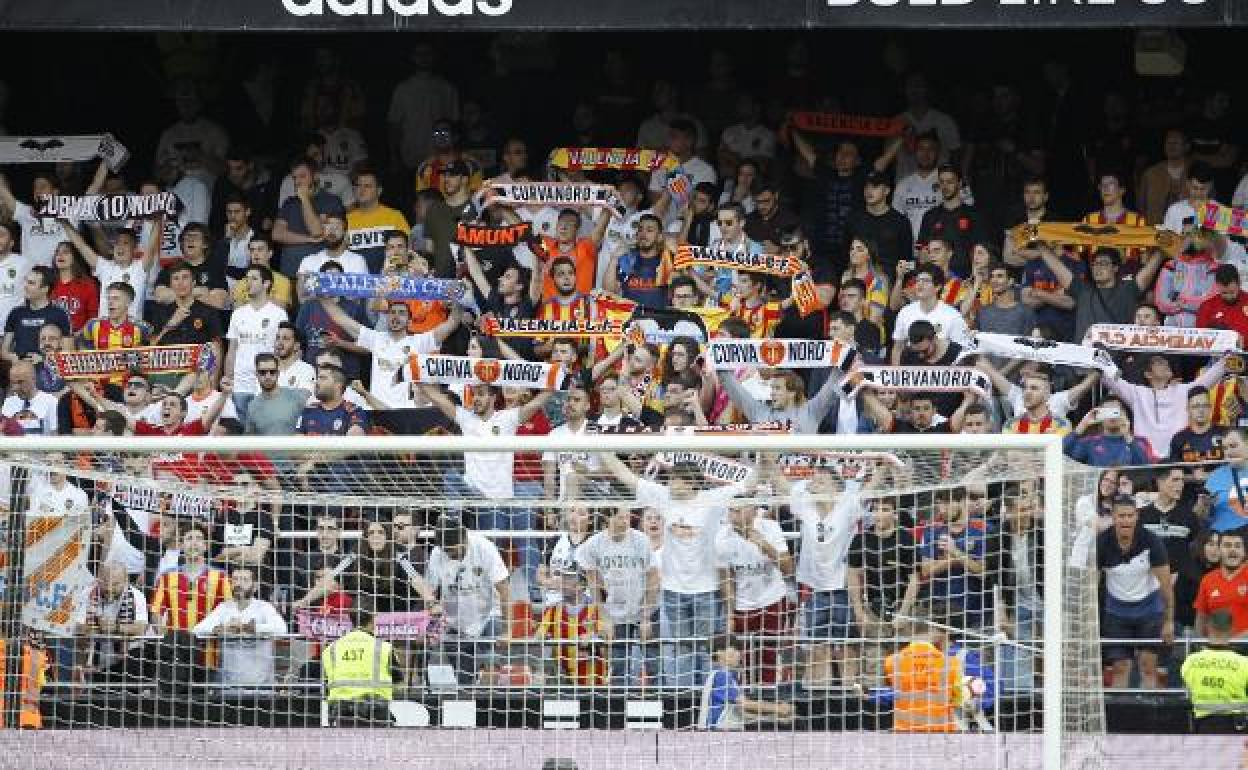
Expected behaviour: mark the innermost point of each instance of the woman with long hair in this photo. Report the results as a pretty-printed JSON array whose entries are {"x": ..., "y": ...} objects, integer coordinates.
[
  {"x": 75, "y": 290},
  {"x": 864, "y": 264},
  {"x": 372, "y": 578}
]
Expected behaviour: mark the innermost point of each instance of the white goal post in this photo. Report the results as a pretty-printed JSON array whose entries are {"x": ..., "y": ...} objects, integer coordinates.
[{"x": 1045, "y": 452}]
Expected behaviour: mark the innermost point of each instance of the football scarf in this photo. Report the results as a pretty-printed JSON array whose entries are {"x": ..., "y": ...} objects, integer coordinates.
[
  {"x": 689, "y": 256},
  {"x": 730, "y": 355},
  {"x": 714, "y": 468},
  {"x": 774, "y": 427},
  {"x": 847, "y": 464},
  {"x": 851, "y": 125},
  {"x": 1228, "y": 220},
  {"x": 1163, "y": 339},
  {"x": 611, "y": 159},
  {"x": 108, "y": 208},
  {"x": 462, "y": 370},
  {"x": 158, "y": 359},
  {"x": 1038, "y": 349},
  {"x": 926, "y": 379},
  {"x": 556, "y": 194},
  {"x": 485, "y": 236},
  {"x": 576, "y": 328},
  {"x": 391, "y": 287},
  {"x": 53, "y": 149},
  {"x": 1121, "y": 237}
]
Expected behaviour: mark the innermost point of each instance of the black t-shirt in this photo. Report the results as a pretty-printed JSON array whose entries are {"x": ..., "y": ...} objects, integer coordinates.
[
  {"x": 243, "y": 528},
  {"x": 24, "y": 324},
  {"x": 905, "y": 426},
  {"x": 202, "y": 324},
  {"x": 946, "y": 403},
  {"x": 522, "y": 309},
  {"x": 890, "y": 232},
  {"x": 208, "y": 274},
  {"x": 761, "y": 230},
  {"x": 1178, "y": 529},
  {"x": 887, "y": 562},
  {"x": 962, "y": 227}
]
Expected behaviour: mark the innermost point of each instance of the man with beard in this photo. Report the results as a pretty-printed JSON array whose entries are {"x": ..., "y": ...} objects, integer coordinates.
[
  {"x": 1225, "y": 589},
  {"x": 445, "y": 212},
  {"x": 115, "y": 608},
  {"x": 952, "y": 220},
  {"x": 245, "y": 625},
  {"x": 292, "y": 371},
  {"x": 643, "y": 273},
  {"x": 275, "y": 410},
  {"x": 881, "y": 224},
  {"x": 334, "y": 229},
  {"x": 770, "y": 218},
  {"x": 390, "y": 351},
  {"x": 919, "y": 191},
  {"x": 298, "y": 227}
]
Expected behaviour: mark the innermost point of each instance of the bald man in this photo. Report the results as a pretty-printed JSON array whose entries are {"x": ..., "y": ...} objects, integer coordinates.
[{"x": 33, "y": 409}]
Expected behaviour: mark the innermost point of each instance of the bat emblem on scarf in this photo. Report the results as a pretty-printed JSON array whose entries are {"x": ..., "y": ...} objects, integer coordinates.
[
  {"x": 38, "y": 146},
  {"x": 1096, "y": 230}
]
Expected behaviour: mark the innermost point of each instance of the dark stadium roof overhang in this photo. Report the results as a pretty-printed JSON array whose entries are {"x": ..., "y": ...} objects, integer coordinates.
[{"x": 492, "y": 15}]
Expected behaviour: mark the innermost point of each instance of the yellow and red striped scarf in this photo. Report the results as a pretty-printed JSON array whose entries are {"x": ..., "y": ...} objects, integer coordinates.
[{"x": 578, "y": 660}]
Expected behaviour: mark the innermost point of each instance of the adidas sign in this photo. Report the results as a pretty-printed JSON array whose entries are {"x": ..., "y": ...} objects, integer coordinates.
[{"x": 397, "y": 7}]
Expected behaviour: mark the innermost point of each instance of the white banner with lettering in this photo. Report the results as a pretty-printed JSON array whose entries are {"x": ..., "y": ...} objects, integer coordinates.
[
  {"x": 784, "y": 354},
  {"x": 1038, "y": 349},
  {"x": 1163, "y": 339}
]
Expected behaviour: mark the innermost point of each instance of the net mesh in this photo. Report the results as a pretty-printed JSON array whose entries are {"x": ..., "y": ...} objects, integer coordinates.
[{"x": 605, "y": 607}]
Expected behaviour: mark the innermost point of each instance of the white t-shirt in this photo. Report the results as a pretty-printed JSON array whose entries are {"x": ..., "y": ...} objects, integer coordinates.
[
  {"x": 466, "y": 587},
  {"x": 756, "y": 142},
  {"x": 490, "y": 473},
  {"x": 37, "y": 416},
  {"x": 344, "y": 148},
  {"x": 695, "y": 168},
  {"x": 195, "y": 407},
  {"x": 622, "y": 566},
  {"x": 245, "y": 660},
  {"x": 252, "y": 331},
  {"x": 196, "y": 200},
  {"x": 914, "y": 194},
  {"x": 350, "y": 261},
  {"x": 564, "y": 461},
  {"x": 40, "y": 235},
  {"x": 13, "y": 270},
  {"x": 687, "y": 562},
  {"x": 108, "y": 272},
  {"x": 824, "y": 561},
  {"x": 1176, "y": 213},
  {"x": 757, "y": 580},
  {"x": 120, "y": 551},
  {"x": 299, "y": 375},
  {"x": 201, "y": 134},
  {"x": 949, "y": 322},
  {"x": 933, "y": 120},
  {"x": 1059, "y": 403},
  {"x": 389, "y": 355},
  {"x": 47, "y": 500},
  {"x": 563, "y": 556}
]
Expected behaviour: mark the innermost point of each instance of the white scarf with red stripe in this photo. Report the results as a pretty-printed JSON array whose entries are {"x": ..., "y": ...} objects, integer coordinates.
[{"x": 462, "y": 370}]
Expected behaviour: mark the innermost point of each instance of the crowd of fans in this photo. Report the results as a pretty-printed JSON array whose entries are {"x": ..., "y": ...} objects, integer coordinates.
[{"x": 905, "y": 238}]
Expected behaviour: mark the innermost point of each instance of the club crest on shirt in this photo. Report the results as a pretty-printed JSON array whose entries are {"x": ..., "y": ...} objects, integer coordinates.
[
  {"x": 337, "y": 424},
  {"x": 264, "y": 323},
  {"x": 198, "y": 324}
]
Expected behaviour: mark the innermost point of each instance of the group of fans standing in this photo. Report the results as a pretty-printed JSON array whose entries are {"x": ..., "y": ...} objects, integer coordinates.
[{"x": 903, "y": 235}]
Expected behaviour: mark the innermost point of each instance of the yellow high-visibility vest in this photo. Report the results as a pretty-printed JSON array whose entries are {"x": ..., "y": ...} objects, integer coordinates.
[{"x": 358, "y": 666}]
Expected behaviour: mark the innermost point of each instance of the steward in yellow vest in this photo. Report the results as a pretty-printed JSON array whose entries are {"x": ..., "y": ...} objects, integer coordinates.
[
  {"x": 1217, "y": 681},
  {"x": 360, "y": 671}
]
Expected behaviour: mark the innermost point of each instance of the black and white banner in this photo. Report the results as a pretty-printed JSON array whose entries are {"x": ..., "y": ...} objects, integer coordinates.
[
  {"x": 554, "y": 194},
  {"x": 714, "y": 468},
  {"x": 109, "y": 208},
  {"x": 936, "y": 379},
  {"x": 1039, "y": 349},
  {"x": 728, "y": 355},
  {"x": 687, "y": 15},
  {"x": 54, "y": 149},
  {"x": 1163, "y": 339}
]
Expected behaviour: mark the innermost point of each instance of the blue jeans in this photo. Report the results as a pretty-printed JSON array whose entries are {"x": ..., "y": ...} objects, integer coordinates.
[
  {"x": 528, "y": 552},
  {"x": 468, "y": 655},
  {"x": 1018, "y": 665},
  {"x": 626, "y": 655},
  {"x": 826, "y": 615},
  {"x": 687, "y": 663}
]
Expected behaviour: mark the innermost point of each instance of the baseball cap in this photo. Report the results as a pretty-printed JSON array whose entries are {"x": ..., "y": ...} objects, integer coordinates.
[{"x": 455, "y": 168}]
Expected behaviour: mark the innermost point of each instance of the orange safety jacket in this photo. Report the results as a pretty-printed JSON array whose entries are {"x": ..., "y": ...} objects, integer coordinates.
[
  {"x": 34, "y": 676},
  {"x": 927, "y": 686}
]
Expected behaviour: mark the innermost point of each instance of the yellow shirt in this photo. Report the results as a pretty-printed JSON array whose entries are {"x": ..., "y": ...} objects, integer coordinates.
[
  {"x": 367, "y": 230},
  {"x": 282, "y": 292}
]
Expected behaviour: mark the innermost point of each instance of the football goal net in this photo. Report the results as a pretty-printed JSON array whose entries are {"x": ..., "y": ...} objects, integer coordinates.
[{"x": 733, "y": 600}]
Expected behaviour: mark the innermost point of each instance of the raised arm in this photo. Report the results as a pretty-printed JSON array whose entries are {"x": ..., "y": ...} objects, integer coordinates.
[
  {"x": 1147, "y": 273},
  {"x": 475, "y": 272},
  {"x": 600, "y": 228},
  {"x": 440, "y": 400},
  {"x": 210, "y": 415},
  {"x": 1062, "y": 273},
  {"x": 455, "y": 316},
  {"x": 339, "y": 317},
  {"x": 533, "y": 405},
  {"x": 804, "y": 148},
  {"x": 89, "y": 254},
  {"x": 615, "y": 466},
  {"x": 739, "y": 396}
]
